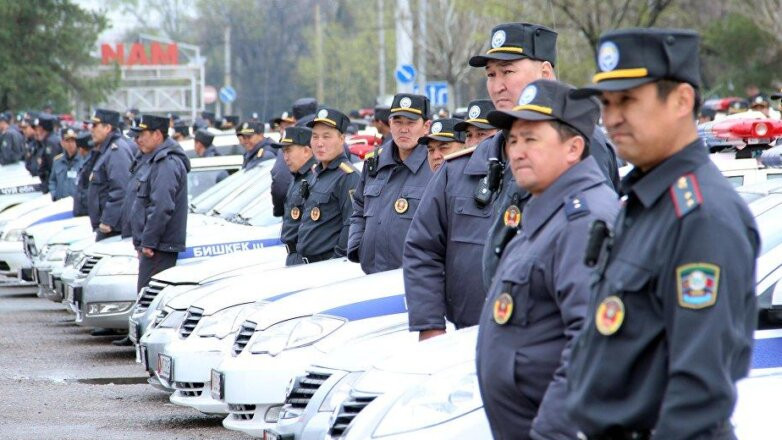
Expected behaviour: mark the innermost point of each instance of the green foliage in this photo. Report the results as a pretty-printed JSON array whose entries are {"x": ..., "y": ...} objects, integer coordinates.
[
  {"x": 45, "y": 53},
  {"x": 735, "y": 53}
]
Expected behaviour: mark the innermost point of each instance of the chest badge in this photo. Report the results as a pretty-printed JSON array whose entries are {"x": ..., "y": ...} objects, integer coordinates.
[
  {"x": 503, "y": 308},
  {"x": 315, "y": 214},
  {"x": 512, "y": 216},
  {"x": 610, "y": 315},
  {"x": 401, "y": 205},
  {"x": 295, "y": 213}
]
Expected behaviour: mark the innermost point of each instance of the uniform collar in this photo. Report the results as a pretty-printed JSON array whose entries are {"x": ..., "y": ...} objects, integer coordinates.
[
  {"x": 333, "y": 165},
  {"x": 307, "y": 166},
  {"x": 258, "y": 146},
  {"x": 476, "y": 166},
  {"x": 109, "y": 139},
  {"x": 649, "y": 186},
  {"x": 162, "y": 149},
  {"x": 389, "y": 155},
  {"x": 581, "y": 176}
]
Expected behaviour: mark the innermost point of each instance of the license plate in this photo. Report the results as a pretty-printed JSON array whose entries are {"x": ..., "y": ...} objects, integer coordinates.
[
  {"x": 135, "y": 332},
  {"x": 138, "y": 354},
  {"x": 216, "y": 386},
  {"x": 164, "y": 366},
  {"x": 50, "y": 280},
  {"x": 143, "y": 355},
  {"x": 69, "y": 292},
  {"x": 35, "y": 276}
]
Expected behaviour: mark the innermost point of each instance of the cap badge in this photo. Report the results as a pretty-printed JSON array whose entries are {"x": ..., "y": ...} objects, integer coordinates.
[
  {"x": 474, "y": 112},
  {"x": 405, "y": 102},
  {"x": 608, "y": 56},
  {"x": 498, "y": 39},
  {"x": 323, "y": 113},
  {"x": 503, "y": 308},
  {"x": 610, "y": 315},
  {"x": 437, "y": 127},
  {"x": 528, "y": 95}
]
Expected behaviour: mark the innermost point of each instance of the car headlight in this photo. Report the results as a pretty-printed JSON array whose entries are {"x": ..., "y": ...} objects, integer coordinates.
[
  {"x": 117, "y": 266},
  {"x": 340, "y": 392},
  {"x": 54, "y": 252},
  {"x": 444, "y": 397},
  {"x": 13, "y": 235},
  {"x": 72, "y": 257},
  {"x": 294, "y": 333},
  {"x": 222, "y": 323},
  {"x": 171, "y": 320},
  {"x": 107, "y": 308}
]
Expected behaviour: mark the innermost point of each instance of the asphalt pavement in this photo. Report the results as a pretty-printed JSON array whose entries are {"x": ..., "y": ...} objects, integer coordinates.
[{"x": 58, "y": 382}]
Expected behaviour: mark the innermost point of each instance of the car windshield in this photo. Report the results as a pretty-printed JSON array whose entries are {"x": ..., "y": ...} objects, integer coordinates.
[
  {"x": 768, "y": 225},
  {"x": 198, "y": 181}
]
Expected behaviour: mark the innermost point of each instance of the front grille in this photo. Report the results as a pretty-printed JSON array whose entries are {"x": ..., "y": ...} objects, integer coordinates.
[
  {"x": 89, "y": 263},
  {"x": 348, "y": 411},
  {"x": 150, "y": 293},
  {"x": 29, "y": 245},
  {"x": 243, "y": 336},
  {"x": 241, "y": 412},
  {"x": 304, "y": 388},
  {"x": 189, "y": 389},
  {"x": 192, "y": 317}
]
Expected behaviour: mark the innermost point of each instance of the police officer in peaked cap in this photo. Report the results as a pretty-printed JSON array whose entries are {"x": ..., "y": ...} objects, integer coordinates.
[
  {"x": 258, "y": 148},
  {"x": 325, "y": 218},
  {"x": 537, "y": 302},
  {"x": 65, "y": 167},
  {"x": 297, "y": 154},
  {"x": 392, "y": 183},
  {"x": 48, "y": 146},
  {"x": 442, "y": 140},
  {"x": 109, "y": 173},
  {"x": 84, "y": 145},
  {"x": 670, "y": 325},
  {"x": 475, "y": 125}
]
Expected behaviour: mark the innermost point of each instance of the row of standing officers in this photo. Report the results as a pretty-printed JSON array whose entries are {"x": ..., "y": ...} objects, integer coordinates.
[{"x": 599, "y": 317}]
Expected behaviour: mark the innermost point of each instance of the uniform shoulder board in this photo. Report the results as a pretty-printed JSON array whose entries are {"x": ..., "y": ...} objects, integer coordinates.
[
  {"x": 575, "y": 207},
  {"x": 685, "y": 194},
  {"x": 460, "y": 153},
  {"x": 373, "y": 153},
  {"x": 346, "y": 168},
  {"x": 260, "y": 153},
  {"x": 58, "y": 156},
  {"x": 114, "y": 146}
]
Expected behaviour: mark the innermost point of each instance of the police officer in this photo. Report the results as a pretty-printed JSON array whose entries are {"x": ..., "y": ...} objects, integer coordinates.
[
  {"x": 380, "y": 122},
  {"x": 231, "y": 122},
  {"x": 159, "y": 218},
  {"x": 84, "y": 145},
  {"x": 11, "y": 141},
  {"x": 537, "y": 302},
  {"x": 283, "y": 121},
  {"x": 181, "y": 131},
  {"x": 109, "y": 174},
  {"x": 519, "y": 54},
  {"x": 208, "y": 119},
  {"x": 443, "y": 140},
  {"x": 31, "y": 144},
  {"x": 392, "y": 182},
  {"x": 297, "y": 154},
  {"x": 475, "y": 125},
  {"x": 670, "y": 324},
  {"x": 65, "y": 168},
  {"x": 325, "y": 218},
  {"x": 258, "y": 148},
  {"x": 203, "y": 144},
  {"x": 48, "y": 147}
]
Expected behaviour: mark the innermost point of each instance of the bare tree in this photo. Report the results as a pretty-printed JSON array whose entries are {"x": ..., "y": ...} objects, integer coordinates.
[{"x": 766, "y": 13}]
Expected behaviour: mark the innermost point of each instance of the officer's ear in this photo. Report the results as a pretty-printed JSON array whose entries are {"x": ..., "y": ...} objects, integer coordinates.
[
  {"x": 427, "y": 124},
  {"x": 683, "y": 100},
  {"x": 575, "y": 150},
  {"x": 547, "y": 70}
]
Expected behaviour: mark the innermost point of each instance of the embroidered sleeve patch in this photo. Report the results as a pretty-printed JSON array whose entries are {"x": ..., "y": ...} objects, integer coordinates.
[{"x": 697, "y": 285}]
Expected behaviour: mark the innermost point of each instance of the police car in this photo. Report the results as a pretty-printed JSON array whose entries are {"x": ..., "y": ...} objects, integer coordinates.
[
  {"x": 17, "y": 186},
  {"x": 278, "y": 342},
  {"x": 50, "y": 261},
  {"x": 210, "y": 322}
]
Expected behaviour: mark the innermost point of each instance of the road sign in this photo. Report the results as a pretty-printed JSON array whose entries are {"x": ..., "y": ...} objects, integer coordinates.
[
  {"x": 436, "y": 91},
  {"x": 227, "y": 94},
  {"x": 405, "y": 73},
  {"x": 210, "y": 95}
]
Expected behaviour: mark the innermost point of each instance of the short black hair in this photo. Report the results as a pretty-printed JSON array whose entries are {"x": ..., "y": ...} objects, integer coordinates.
[
  {"x": 666, "y": 86},
  {"x": 567, "y": 132}
]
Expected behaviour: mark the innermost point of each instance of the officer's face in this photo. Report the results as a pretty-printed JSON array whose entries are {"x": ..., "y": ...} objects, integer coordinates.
[
  {"x": 475, "y": 135},
  {"x": 407, "y": 131},
  {"x": 295, "y": 156},
  {"x": 326, "y": 142},
  {"x": 3, "y": 126},
  {"x": 506, "y": 79},
  {"x": 437, "y": 150},
  {"x": 245, "y": 142},
  {"x": 644, "y": 128},
  {"x": 69, "y": 145},
  {"x": 199, "y": 148},
  {"x": 40, "y": 133},
  {"x": 99, "y": 132},
  {"x": 148, "y": 140},
  {"x": 28, "y": 131},
  {"x": 538, "y": 156}
]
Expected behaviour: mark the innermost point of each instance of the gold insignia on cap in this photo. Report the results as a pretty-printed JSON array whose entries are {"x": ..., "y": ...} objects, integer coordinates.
[
  {"x": 610, "y": 315},
  {"x": 315, "y": 214},
  {"x": 503, "y": 308},
  {"x": 512, "y": 216},
  {"x": 295, "y": 213},
  {"x": 401, "y": 205}
]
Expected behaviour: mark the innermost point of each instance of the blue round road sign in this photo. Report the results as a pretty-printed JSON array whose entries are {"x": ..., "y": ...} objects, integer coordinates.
[
  {"x": 405, "y": 73},
  {"x": 227, "y": 94}
]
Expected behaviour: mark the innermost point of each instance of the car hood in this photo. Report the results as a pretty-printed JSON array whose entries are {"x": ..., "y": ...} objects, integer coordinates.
[
  {"x": 434, "y": 354},
  {"x": 271, "y": 285},
  {"x": 61, "y": 231},
  {"x": 59, "y": 210},
  {"x": 217, "y": 267},
  {"x": 25, "y": 208},
  {"x": 368, "y": 349}
]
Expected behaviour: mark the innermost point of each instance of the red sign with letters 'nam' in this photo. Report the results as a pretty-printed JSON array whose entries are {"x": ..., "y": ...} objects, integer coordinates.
[{"x": 165, "y": 54}]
